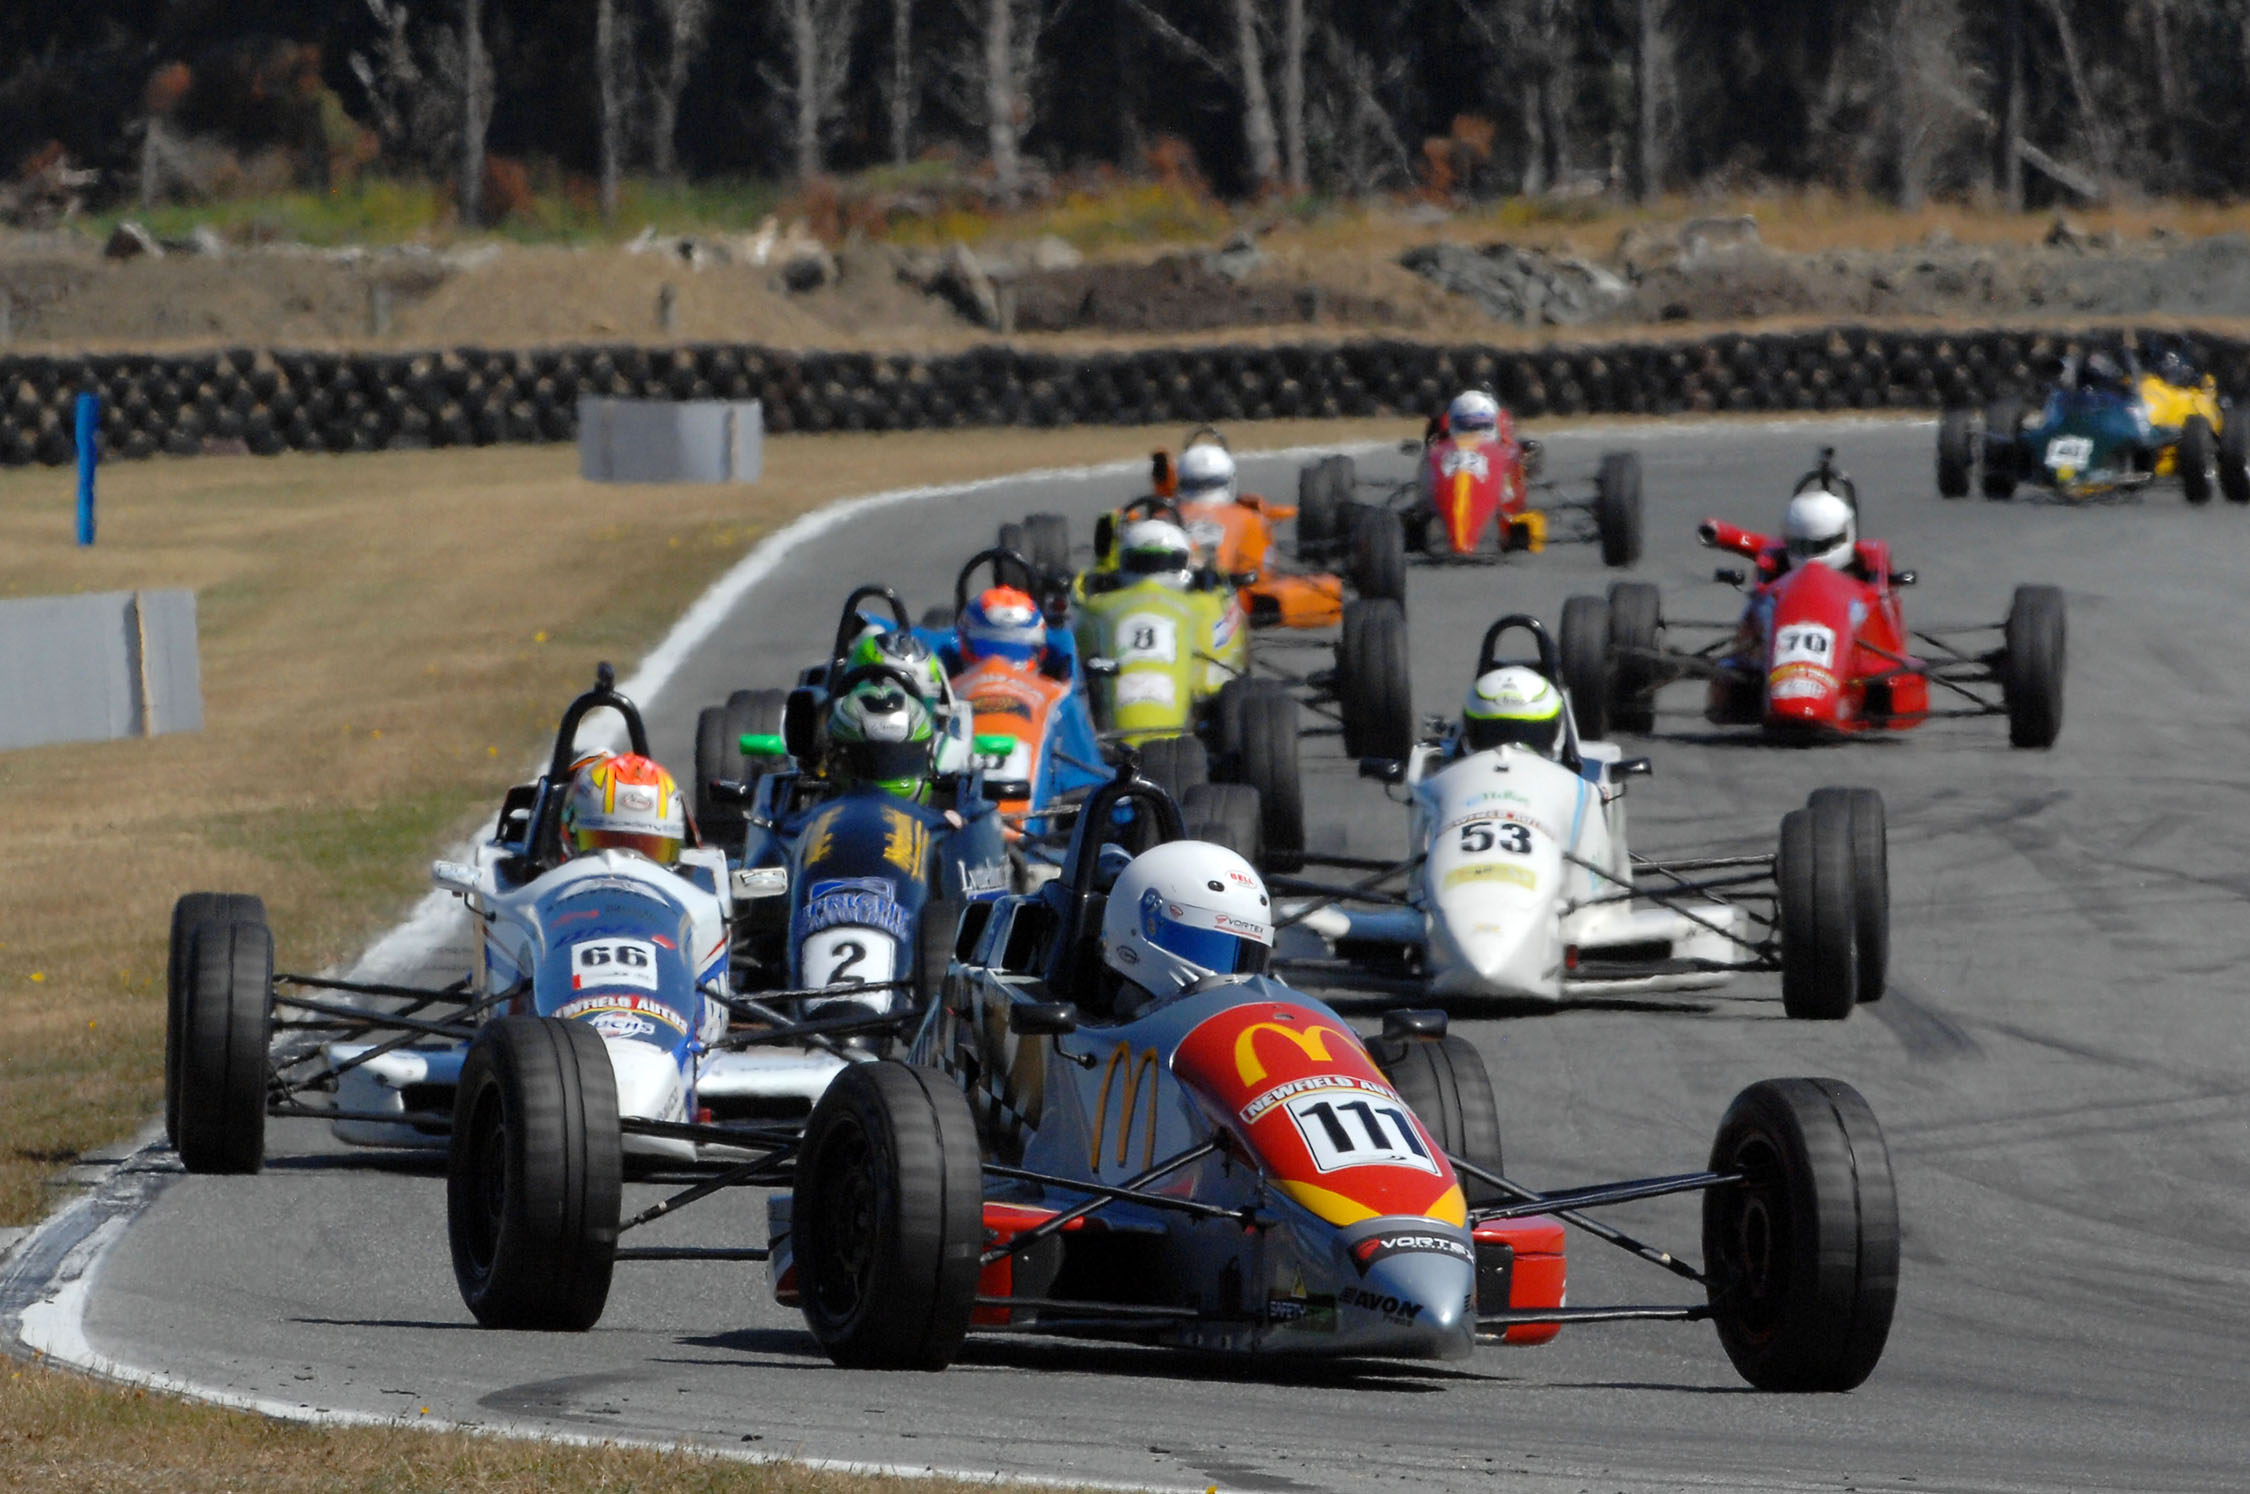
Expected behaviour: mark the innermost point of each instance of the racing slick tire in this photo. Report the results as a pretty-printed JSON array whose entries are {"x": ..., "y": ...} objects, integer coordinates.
[
  {"x": 216, "y": 1089},
  {"x": 1378, "y": 563},
  {"x": 2003, "y": 420},
  {"x": 1175, "y": 764},
  {"x": 1584, "y": 660},
  {"x": 1866, "y": 825},
  {"x": 534, "y": 1176},
  {"x": 1636, "y": 616},
  {"x": 1324, "y": 490},
  {"x": 1226, "y": 814},
  {"x": 2234, "y": 457},
  {"x": 1802, "y": 1256},
  {"x": 1819, "y": 916},
  {"x": 1012, "y": 537},
  {"x": 888, "y": 1218},
  {"x": 1049, "y": 538},
  {"x": 937, "y": 615},
  {"x": 1374, "y": 683},
  {"x": 191, "y": 909},
  {"x": 1446, "y": 1085},
  {"x": 2198, "y": 460},
  {"x": 1617, "y": 508},
  {"x": 2031, "y": 666},
  {"x": 1956, "y": 454},
  {"x": 1265, "y": 758}
]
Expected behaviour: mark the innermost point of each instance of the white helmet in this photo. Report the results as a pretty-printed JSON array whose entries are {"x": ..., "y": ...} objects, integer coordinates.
[
  {"x": 1156, "y": 547},
  {"x": 1513, "y": 705},
  {"x": 1820, "y": 526},
  {"x": 1473, "y": 411},
  {"x": 1185, "y": 910},
  {"x": 1206, "y": 472}
]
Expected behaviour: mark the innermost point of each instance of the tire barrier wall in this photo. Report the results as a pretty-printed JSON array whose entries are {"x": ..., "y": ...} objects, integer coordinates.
[{"x": 269, "y": 402}]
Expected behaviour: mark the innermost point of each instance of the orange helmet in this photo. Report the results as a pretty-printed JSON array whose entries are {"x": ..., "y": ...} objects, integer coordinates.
[
  {"x": 625, "y": 803},
  {"x": 1004, "y": 622}
]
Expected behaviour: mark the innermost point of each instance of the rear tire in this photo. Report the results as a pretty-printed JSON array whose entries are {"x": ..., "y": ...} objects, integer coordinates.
[
  {"x": 2234, "y": 457},
  {"x": 1956, "y": 454},
  {"x": 1802, "y": 1257},
  {"x": 217, "y": 1097},
  {"x": 1324, "y": 490},
  {"x": 2032, "y": 666},
  {"x": 1446, "y": 1085},
  {"x": 888, "y": 1218},
  {"x": 1226, "y": 814},
  {"x": 1013, "y": 537},
  {"x": 1862, "y": 809},
  {"x": 1267, "y": 761},
  {"x": 2198, "y": 460},
  {"x": 1819, "y": 927},
  {"x": 1617, "y": 508},
  {"x": 187, "y": 912},
  {"x": 1049, "y": 537},
  {"x": 716, "y": 758},
  {"x": 2003, "y": 424},
  {"x": 534, "y": 1176},
  {"x": 1584, "y": 660},
  {"x": 1175, "y": 764},
  {"x": 1374, "y": 681},
  {"x": 1636, "y": 616},
  {"x": 1378, "y": 565}
]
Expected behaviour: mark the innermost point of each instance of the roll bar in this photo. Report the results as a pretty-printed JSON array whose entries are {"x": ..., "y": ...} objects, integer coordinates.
[
  {"x": 1004, "y": 562},
  {"x": 603, "y": 696},
  {"x": 848, "y": 622},
  {"x": 1488, "y": 659}
]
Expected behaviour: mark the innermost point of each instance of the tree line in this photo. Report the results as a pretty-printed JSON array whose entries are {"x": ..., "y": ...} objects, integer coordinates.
[{"x": 2024, "y": 100}]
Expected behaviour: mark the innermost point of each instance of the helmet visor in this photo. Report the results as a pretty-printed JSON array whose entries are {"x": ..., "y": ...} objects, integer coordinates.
[
  {"x": 889, "y": 762},
  {"x": 664, "y": 850},
  {"x": 1805, "y": 546},
  {"x": 1152, "y": 562},
  {"x": 1540, "y": 734},
  {"x": 1217, "y": 942}
]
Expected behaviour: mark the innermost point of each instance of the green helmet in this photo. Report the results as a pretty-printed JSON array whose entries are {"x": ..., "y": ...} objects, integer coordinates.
[
  {"x": 1513, "y": 706},
  {"x": 885, "y": 737},
  {"x": 909, "y": 655}
]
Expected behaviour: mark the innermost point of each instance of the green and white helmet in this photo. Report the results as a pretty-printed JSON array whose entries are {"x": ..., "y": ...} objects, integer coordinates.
[
  {"x": 885, "y": 737},
  {"x": 910, "y": 656},
  {"x": 1513, "y": 706}
]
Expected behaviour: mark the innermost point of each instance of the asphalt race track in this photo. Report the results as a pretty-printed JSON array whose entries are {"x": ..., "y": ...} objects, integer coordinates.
[{"x": 2060, "y": 1068}]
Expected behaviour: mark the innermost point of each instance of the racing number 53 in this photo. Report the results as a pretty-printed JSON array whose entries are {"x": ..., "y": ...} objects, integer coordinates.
[
  {"x": 1485, "y": 835},
  {"x": 1343, "y": 1129}
]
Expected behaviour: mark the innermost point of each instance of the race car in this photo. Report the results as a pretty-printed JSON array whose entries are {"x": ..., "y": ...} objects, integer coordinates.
[
  {"x": 623, "y": 954},
  {"x": 1521, "y": 886},
  {"x": 1822, "y": 646},
  {"x": 2104, "y": 430},
  {"x": 1230, "y": 1168},
  {"x": 1470, "y": 499}
]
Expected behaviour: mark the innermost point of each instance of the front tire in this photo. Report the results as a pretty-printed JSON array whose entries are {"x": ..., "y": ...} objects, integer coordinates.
[
  {"x": 1225, "y": 814},
  {"x": 1374, "y": 680},
  {"x": 1802, "y": 1256},
  {"x": 1585, "y": 664},
  {"x": 2003, "y": 427},
  {"x": 1636, "y": 616},
  {"x": 1447, "y": 1086},
  {"x": 2234, "y": 457},
  {"x": 534, "y": 1176},
  {"x": 2198, "y": 460},
  {"x": 1617, "y": 508},
  {"x": 1819, "y": 926},
  {"x": 191, "y": 909},
  {"x": 224, "y": 1026},
  {"x": 1324, "y": 493},
  {"x": 1267, "y": 761},
  {"x": 1378, "y": 563},
  {"x": 1175, "y": 764},
  {"x": 1869, "y": 832},
  {"x": 888, "y": 1218},
  {"x": 1956, "y": 454},
  {"x": 2032, "y": 666}
]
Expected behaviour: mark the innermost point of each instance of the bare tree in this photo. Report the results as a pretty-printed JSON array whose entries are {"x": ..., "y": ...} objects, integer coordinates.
[
  {"x": 1652, "y": 58},
  {"x": 2011, "y": 104},
  {"x": 818, "y": 35},
  {"x": 2082, "y": 92},
  {"x": 1532, "y": 39},
  {"x": 607, "y": 60},
  {"x": 1258, "y": 134},
  {"x": 684, "y": 25},
  {"x": 1293, "y": 43},
  {"x": 1364, "y": 148},
  {"x": 999, "y": 71},
  {"x": 902, "y": 81},
  {"x": 476, "y": 111}
]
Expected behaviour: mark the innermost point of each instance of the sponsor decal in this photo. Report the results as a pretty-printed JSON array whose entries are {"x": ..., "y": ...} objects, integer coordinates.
[
  {"x": 1498, "y": 796},
  {"x": 1804, "y": 643},
  {"x": 1469, "y": 459},
  {"x": 622, "y": 1025},
  {"x": 1280, "y": 1092},
  {"x": 1312, "y": 1042},
  {"x": 908, "y": 844},
  {"x": 1358, "y": 1132},
  {"x": 596, "y": 963},
  {"x": 1138, "y": 1073},
  {"x": 1409, "y": 1242},
  {"x": 1146, "y": 687},
  {"x": 1799, "y": 681},
  {"x": 625, "y": 885},
  {"x": 853, "y": 902},
  {"x": 993, "y": 703},
  {"x": 1490, "y": 871},
  {"x": 1223, "y": 631},
  {"x": 623, "y": 1003},
  {"x": 1392, "y": 1309},
  {"x": 2070, "y": 452},
  {"x": 982, "y": 879},
  {"x": 1301, "y": 1312}
]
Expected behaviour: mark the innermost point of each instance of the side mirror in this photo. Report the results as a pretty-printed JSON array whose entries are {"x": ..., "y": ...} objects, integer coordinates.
[
  {"x": 1100, "y": 668},
  {"x": 763, "y": 744},
  {"x": 1428, "y": 1023},
  {"x": 752, "y": 882},
  {"x": 1727, "y": 575},
  {"x": 1632, "y": 767},
  {"x": 454, "y": 876},
  {"x": 1383, "y": 769},
  {"x": 1042, "y": 1018},
  {"x": 992, "y": 744},
  {"x": 727, "y": 791},
  {"x": 1903, "y": 578}
]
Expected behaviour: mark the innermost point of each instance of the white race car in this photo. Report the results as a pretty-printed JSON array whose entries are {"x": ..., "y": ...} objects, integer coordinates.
[
  {"x": 632, "y": 952},
  {"x": 1522, "y": 885}
]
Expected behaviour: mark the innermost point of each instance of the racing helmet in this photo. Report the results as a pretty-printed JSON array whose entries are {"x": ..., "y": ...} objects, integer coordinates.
[
  {"x": 2173, "y": 368},
  {"x": 1159, "y": 548},
  {"x": 1003, "y": 623},
  {"x": 1820, "y": 525},
  {"x": 885, "y": 737},
  {"x": 626, "y": 803},
  {"x": 1473, "y": 413},
  {"x": 1206, "y": 472},
  {"x": 2100, "y": 371},
  {"x": 1513, "y": 706},
  {"x": 909, "y": 655},
  {"x": 1185, "y": 910}
]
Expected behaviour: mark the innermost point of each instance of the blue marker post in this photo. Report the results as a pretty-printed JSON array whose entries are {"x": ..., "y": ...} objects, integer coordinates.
[{"x": 89, "y": 426}]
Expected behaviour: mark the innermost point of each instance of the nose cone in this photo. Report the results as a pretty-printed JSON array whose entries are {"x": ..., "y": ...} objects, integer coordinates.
[
  {"x": 1801, "y": 695},
  {"x": 1421, "y": 1305},
  {"x": 1488, "y": 952},
  {"x": 648, "y": 1080}
]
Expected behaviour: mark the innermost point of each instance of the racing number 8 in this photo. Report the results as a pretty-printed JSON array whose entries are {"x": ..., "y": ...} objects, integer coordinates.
[{"x": 1484, "y": 836}]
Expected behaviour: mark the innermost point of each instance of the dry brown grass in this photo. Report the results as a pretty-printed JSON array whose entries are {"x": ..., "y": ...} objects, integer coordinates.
[
  {"x": 60, "y": 1432},
  {"x": 386, "y": 641}
]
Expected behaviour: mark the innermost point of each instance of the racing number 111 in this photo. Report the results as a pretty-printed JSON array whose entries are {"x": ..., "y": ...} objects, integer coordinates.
[{"x": 1357, "y": 1133}]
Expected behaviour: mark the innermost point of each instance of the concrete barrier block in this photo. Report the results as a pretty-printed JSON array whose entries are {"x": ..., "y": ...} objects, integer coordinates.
[
  {"x": 640, "y": 440},
  {"x": 98, "y": 667}
]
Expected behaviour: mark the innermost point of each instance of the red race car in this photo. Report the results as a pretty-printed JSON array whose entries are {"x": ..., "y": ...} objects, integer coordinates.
[
  {"x": 1822, "y": 647},
  {"x": 1471, "y": 496}
]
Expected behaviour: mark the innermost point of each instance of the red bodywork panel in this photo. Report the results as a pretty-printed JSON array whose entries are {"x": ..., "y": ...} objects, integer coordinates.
[
  {"x": 1538, "y": 1277},
  {"x": 1474, "y": 484},
  {"x": 1831, "y": 644}
]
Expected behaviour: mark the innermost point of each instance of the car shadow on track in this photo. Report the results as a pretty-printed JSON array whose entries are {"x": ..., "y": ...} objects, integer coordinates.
[{"x": 407, "y": 1163}]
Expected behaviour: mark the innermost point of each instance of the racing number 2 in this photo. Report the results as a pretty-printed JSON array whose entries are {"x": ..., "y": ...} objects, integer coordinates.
[
  {"x": 1485, "y": 835},
  {"x": 1357, "y": 1132}
]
